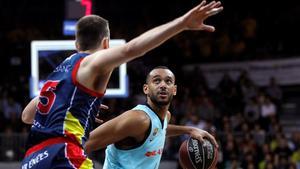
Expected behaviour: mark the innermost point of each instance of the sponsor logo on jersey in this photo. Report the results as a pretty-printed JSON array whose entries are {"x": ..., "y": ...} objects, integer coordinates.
[
  {"x": 154, "y": 153},
  {"x": 35, "y": 160}
]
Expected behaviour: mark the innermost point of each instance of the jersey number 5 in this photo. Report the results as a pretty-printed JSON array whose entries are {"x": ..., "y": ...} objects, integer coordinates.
[{"x": 47, "y": 97}]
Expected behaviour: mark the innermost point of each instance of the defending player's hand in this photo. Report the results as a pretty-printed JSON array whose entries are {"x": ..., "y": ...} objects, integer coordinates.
[
  {"x": 97, "y": 119},
  {"x": 194, "y": 19},
  {"x": 200, "y": 134}
]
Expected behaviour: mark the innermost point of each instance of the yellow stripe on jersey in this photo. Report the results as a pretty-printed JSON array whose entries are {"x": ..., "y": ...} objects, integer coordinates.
[
  {"x": 72, "y": 126},
  {"x": 87, "y": 164}
]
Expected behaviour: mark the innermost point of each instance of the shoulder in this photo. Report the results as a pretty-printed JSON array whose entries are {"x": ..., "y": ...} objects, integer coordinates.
[
  {"x": 169, "y": 115},
  {"x": 136, "y": 121},
  {"x": 136, "y": 116}
]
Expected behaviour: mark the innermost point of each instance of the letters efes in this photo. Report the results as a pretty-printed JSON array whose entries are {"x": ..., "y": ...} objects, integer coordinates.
[{"x": 38, "y": 158}]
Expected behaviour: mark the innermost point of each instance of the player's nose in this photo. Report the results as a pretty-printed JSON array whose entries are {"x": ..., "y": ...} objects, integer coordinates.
[{"x": 163, "y": 84}]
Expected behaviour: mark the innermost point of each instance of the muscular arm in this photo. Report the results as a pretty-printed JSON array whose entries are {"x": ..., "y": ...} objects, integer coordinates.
[
  {"x": 192, "y": 20},
  {"x": 29, "y": 111},
  {"x": 132, "y": 123}
]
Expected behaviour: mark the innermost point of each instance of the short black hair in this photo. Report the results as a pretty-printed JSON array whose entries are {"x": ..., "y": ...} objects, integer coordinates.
[
  {"x": 157, "y": 67},
  {"x": 90, "y": 31}
]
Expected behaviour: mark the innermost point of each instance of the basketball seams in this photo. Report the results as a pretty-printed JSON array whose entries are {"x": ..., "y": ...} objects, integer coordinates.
[
  {"x": 203, "y": 156},
  {"x": 189, "y": 154},
  {"x": 207, "y": 161},
  {"x": 215, "y": 158}
]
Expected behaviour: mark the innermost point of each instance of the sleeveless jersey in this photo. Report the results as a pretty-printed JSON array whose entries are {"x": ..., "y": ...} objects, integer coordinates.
[
  {"x": 147, "y": 155},
  {"x": 66, "y": 108}
]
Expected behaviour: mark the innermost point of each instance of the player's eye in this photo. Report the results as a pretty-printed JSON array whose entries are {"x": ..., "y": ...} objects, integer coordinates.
[
  {"x": 156, "y": 81},
  {"x": 169, "y": 81}
]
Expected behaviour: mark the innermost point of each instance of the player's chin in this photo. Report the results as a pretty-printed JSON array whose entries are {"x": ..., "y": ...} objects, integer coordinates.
[{"x": 163, "y": 102}]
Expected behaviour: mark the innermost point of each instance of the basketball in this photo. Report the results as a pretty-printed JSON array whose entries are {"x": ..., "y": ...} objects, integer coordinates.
[{"x": 196, "y": 155}]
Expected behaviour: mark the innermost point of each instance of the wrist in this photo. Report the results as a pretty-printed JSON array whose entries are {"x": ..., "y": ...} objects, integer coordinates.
[
  {"x": 181, "y": 23},
  {"x": 189, "y": 130}
]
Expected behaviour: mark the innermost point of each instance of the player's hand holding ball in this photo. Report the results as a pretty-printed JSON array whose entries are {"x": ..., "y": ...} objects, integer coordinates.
[{"x": 200, "y": 151}]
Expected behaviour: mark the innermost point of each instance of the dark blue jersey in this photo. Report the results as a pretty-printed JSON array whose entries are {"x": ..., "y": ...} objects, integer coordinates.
[{"x": 66, "y": 108}]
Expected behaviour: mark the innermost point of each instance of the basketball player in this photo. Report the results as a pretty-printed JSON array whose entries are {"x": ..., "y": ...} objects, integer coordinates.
[
  {"x": 139, "y": 134},
  {"x": 64, "y": 112}
]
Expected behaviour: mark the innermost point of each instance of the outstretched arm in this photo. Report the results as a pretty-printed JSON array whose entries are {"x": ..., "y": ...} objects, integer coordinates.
[{"x": 193, "y": 20}]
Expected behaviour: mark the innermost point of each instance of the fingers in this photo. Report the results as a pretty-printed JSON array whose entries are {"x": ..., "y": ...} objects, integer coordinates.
[
  {"x": 213, "y": 140},
  {"x": 199, "y": 138},
  {"x": 203, "y": 135},
  {"x": 200, "y": 5},
  {"x": 211, "y": 8},
  {"x": 208, "y": 6},
  {"x": 214, "y": 11},
  {"x": 208, "y": 28},
  {"x": 99, "y": 121},
  {"x": 102, "y": 106},
  {"x": 214, "y": 5}
]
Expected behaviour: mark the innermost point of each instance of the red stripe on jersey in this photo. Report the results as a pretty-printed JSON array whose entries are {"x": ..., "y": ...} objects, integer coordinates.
[
  {"x": 75, "y": 154},
  {"x": 46, "y": 143},
  {"x": 80, "y": 86}
]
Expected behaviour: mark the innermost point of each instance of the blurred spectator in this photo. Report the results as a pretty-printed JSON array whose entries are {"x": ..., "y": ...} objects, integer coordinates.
[
  {"x": 274, "y": 91},
  {"x": 230, "y": 102},
  {"x": 223, "y": 44},
  {"x": 247, "y": 87},
  {"x": 282, "y": 153},
  {"x": 249, "y": 162},
  {"x": 259, "y": 135},
  {"x": 232, "y": 164},
  {"x": 268, "y": 159},
  {"x": 205, "y": 108},
  {"x": 252, "y": 111},
  {"x": 12, "y": 110},
  {"x": 296, "y": 157},
  {"x": 8, "y": 152},
  {"x": 230, "y": 149},
  {"x": 270, "y": 166},
  {"x": 295, "y": 140},
  {"x": 268, "y": 110},
  {"x": 237, "y": 122},
  {"x": 195, "y": 121}
]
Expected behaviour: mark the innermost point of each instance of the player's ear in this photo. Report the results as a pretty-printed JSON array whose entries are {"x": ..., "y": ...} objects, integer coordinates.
[
  {"x": 175, "y": 90},
  {"x": 77, "y": 45},
  {"x": 145, "y": 89},
  {"x": 105, "y": 43}
]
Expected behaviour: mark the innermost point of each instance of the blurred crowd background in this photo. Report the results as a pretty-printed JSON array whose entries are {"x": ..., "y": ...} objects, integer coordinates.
[{"x": 256, "y": 126}]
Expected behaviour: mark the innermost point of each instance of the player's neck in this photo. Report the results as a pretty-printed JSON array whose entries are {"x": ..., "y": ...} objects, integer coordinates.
[
  {"x": 161, "y": 111},
  {"x": 91, "y": 51},
  {"x": 87, "y": 51}
]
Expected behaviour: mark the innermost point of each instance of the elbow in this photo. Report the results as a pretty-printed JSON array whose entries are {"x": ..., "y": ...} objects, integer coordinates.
[{"x": 26, "y": 119}]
